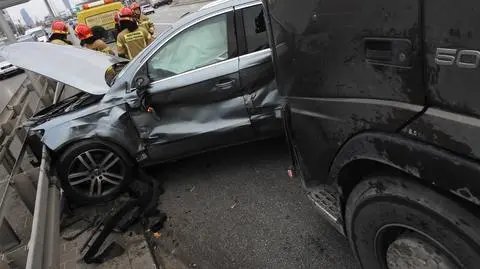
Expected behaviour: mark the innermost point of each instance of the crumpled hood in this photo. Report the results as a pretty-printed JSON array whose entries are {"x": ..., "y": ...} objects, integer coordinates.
[{"x": 80, "y": 68}]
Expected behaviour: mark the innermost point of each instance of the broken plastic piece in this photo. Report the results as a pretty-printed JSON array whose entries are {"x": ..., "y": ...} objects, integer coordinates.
[
  {"x": 111, "y": 251},
  {"x": 291, "y": 172},
  {"x": 162, "y": 217}
]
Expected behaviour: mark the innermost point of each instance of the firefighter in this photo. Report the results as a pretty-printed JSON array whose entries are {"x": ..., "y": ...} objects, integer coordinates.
[
  {"x": 91, "y": 41},
  {"x": 59, "y": 34},
  {"x": 141, "y": 19},
  {"x": 132, "y": 39}
]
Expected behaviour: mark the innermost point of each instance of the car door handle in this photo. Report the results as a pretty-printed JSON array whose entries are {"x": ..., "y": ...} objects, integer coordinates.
[{"x": 225, "y": 85}]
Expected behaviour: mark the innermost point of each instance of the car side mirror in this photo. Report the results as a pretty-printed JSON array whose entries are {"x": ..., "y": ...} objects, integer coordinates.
[{"x": 140, "y": 83}]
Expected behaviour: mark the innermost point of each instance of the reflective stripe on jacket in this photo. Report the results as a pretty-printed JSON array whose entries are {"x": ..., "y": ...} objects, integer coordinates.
[{"x": 132, "y": 43}]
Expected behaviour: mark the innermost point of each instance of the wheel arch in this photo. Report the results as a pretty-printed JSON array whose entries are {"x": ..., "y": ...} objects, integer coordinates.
[
  {"x": 60, "y": 149},
  {"x": 443, "y": 171},
  {"x": 60, "y": 137}
]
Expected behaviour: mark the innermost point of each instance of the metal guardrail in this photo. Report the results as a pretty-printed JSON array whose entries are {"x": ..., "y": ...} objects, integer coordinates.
[
  {"x": 44, "y": 202},
  {"x": 44, "y": 241}
]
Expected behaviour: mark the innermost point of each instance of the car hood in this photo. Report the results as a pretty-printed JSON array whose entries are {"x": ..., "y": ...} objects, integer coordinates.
[
  {"x": 4, "y": 63},
  {"x": 80, "y": 68}
]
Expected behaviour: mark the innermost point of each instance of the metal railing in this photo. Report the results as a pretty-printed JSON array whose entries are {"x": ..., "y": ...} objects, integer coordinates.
[{"x": 44, "y": 202}]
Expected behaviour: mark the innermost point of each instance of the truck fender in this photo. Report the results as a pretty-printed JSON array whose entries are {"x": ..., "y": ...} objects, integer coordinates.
[{"x": 369, "y": 152}]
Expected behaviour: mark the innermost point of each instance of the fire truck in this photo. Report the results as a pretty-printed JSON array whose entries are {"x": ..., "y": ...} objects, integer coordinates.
[{"x": 100, "y": 13}]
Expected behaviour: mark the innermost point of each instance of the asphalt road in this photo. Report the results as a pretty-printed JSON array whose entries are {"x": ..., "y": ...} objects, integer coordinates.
[{"x": 236, "y": 208}]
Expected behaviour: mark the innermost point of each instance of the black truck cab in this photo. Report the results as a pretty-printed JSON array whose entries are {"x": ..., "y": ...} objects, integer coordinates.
[{"x": 383, "y": 121}]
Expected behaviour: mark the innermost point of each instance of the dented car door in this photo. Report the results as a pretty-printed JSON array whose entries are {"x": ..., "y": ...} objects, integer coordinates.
[
  {"x": 194, "y": 101},
  {"x": 257, "y": 77}
]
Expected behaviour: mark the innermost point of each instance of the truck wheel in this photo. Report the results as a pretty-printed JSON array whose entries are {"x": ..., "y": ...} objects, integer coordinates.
[
  {"x": 393, "y": 223},
  {"x": 94, "y": 171}
]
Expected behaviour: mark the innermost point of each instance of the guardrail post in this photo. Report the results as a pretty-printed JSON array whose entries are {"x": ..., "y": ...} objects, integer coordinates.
[
  {"x": 37, "y": 238},
  {"x": 51, "y": 258}
]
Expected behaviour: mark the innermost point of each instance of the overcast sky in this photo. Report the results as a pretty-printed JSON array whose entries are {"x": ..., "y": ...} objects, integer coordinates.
[{"x": 36, "y": 9}]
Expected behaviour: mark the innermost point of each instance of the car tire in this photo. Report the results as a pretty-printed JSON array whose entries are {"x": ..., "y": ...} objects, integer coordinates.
[
  {"x": 94, "y": 171},
  {"x": 392, "y": 223},
  {"x": 2, "y": 77}
]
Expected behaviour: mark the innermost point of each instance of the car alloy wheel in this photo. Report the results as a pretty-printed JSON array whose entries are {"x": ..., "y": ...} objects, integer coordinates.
[{"x": 96, "y": 172}]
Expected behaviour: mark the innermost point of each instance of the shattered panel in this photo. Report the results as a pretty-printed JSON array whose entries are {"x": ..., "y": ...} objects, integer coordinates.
[
  {"x": 262, "y": 97},
  {"x": 194, "y": 112},
  {"x": 109, "y": 122}
]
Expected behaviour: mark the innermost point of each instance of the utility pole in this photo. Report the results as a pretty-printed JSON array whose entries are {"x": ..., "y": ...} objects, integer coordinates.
[
  {"x": 6, "y": 28},
  {"x": 50, "y": 10}
]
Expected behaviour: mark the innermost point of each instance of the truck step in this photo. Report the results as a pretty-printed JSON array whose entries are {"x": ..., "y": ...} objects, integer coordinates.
[{"x": 326, "y": 200}]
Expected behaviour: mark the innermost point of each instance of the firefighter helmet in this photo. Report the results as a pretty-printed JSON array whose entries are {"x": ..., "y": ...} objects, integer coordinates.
[
  {"x": 125, "y": 14},
  {"x": 83, "y": 31},
  {"x": 59, "y": 27}
]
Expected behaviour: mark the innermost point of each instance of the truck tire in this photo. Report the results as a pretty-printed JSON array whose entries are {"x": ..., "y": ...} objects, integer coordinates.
[
  {"x": 94, "y": 171},
  {"x": 394, "y": 223}
]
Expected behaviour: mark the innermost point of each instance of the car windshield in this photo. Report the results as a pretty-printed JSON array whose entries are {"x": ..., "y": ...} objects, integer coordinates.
[{"x": 146, "y": 6}]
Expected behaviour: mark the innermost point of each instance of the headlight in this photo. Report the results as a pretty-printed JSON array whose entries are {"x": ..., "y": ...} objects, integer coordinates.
[{"x": 38, "y": 133}]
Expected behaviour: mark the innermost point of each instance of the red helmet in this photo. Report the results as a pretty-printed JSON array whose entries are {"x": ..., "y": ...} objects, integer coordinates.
[
  {"x": 59, "y": 27},
  {"x": 125, "y": 14},
  {"x": 83, "y": 31},
  {"x": 134, "y": 6},
  {"x": 116, "y": 17}
]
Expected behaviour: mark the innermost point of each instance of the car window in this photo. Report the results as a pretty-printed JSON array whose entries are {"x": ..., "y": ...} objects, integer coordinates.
[
  {"x": 203, "y": 44},
  {"x": 255, "y": 29}
]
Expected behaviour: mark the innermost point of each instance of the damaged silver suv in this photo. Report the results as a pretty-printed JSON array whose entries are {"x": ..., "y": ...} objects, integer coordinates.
[{"x": 205, "y": 83}]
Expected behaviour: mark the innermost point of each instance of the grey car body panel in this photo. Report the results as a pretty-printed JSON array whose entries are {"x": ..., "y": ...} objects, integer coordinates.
[
  {"x": 112, "y": 124},
  {"x": 193, "y": 112},
  {"x": 192, "y": 107},
  {"x": 107, "y": 120},
  {"x": 262, "y": 98},
  {"x": 80, "y": 68}
]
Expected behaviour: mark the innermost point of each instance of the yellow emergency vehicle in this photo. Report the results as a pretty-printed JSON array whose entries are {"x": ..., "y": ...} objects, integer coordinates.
[{"x": 100, "y": 13}]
